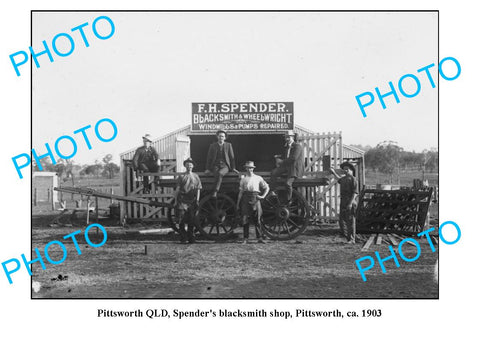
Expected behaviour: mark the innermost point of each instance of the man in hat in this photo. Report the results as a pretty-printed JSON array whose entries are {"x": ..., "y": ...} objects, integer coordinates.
[
  {"x": 186, "y": 197},
  {"x": 220, "y": 159},
  {"x": 291, "y": 164},
  {"x": 146, "y": 160},
  {"x": 348, "y": 193},
  {"x": 253, "y": 188}
]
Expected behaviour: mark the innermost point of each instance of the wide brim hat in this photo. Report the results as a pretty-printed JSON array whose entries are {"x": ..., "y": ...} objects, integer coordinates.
[
  {"x": 147, "y": 137},
  {"x": 348, "y": 165},
  {"x": 249, "y": 164},
  {"x": 290, "y": 133},
  {"x": 220, "y": 131},
  {"x": 189, "y": 160}
]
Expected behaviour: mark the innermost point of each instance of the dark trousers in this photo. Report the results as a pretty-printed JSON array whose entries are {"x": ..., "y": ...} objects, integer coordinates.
[
  {"x": 275, "y": 174},
  {"x": 186, "y": 216},
  {"x": 218, "y": 172},
  {"x": 347, "y": 222},
  {"x": 246, "y": 231},
  {"x": 251, "y": 209},
  {"x": 148, "y": 168}
]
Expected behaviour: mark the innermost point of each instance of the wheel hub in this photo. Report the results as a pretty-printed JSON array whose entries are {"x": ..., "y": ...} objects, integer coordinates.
[
  {"x": 283, "y": 213},
  {"x": 219, "y": 216}
]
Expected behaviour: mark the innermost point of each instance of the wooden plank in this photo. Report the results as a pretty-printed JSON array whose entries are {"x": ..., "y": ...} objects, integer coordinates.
[
  {"x": 328, "y": 217},
  {"x": 319, "y": 155},
  {"x": 379, "y": 239},
  {"x": 340, "y": 147},
  {"x": 388, "y": 231},
  {"x": 392, "y": 239},
  {"x": 156, "y": 231},
  {"x": 410, "y": 242},
  {"x": 152, "y": 212},
  {"x": 366, "y": 221},
  {"x": 128, "y": 190},
  {"x": 368, "y": 243},
  {"x": 398, "y": 191}
]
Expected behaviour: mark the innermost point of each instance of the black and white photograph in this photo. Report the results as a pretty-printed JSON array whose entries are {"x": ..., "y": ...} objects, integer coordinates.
[
  {"x": 239, "y": 170},
  {"x": 236, "y": 162}
]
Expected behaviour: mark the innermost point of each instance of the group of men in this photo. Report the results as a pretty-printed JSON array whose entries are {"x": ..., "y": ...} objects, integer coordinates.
[{"x": 252, "y": 188}]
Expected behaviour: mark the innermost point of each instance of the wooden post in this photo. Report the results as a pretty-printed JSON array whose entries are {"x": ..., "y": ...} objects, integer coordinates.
[
  {"x": 34, "y": 197},
  {"x": 182, "y": 148},
  {"x": 88, "y": 210},
  {"x": 123, "y": 189},
  {"x": 96, "y": 211}
]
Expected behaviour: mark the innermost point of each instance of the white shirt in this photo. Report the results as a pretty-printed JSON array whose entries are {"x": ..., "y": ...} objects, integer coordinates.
[{"x": 253, "y": 183}]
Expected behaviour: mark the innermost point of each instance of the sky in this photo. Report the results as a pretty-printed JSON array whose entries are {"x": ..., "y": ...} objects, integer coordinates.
[{"x": 156, "y": 64}]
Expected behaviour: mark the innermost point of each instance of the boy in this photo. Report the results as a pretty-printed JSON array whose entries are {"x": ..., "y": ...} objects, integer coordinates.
[{"x": 348, "y": 193}]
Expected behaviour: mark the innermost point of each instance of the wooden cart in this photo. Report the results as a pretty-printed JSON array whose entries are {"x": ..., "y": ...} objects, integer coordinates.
[
  {"x": 315, "y": 198},
  {"x": 217, "y": 218}
]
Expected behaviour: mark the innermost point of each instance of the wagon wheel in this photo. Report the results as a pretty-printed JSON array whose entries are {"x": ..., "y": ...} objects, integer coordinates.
[
  {"x": 216, "y": 218},
  {"x": 284, "y": 221}
]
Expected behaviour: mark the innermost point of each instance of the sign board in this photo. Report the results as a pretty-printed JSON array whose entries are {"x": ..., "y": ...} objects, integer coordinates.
[{"x": 244, "y": 116}]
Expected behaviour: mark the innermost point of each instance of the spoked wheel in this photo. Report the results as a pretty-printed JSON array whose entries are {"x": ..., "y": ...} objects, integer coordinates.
[
  {"x": 284, "y": 220},
  {"x": 216, "y": 218}
]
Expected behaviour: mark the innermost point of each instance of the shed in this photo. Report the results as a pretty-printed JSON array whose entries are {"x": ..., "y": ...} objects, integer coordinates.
[
  {"x": 321, "y": 150},
  {"x": 43, "y": 183}
]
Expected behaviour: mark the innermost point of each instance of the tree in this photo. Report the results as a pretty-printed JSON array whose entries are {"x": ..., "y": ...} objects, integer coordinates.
[
  {"x": 59, "y": 168},
  {"x": 431, "y": 162},
  {"x": 93, "y": 169},
  {"x": 107, "y": 159},
  {"x": 109, "y": 168},
  {"x": 46, "y": 165},
  {"x": 385, "y": 157}
]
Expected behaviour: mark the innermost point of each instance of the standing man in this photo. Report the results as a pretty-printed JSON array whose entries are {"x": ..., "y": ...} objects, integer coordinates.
[
  {"x": 253, "y": 188},
  {"x": 348, "y": 193},
  {"x": 292, "y": 165},
  {"x": 186, "y": 197},
  {"x": 220, "y": 159},
  {"x": 146, "y": 160}
]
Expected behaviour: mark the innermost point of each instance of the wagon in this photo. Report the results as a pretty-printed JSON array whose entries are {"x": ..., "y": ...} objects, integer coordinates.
[
  {"x": 315, "y": 197},
  {"x": 217, "y": 218}
]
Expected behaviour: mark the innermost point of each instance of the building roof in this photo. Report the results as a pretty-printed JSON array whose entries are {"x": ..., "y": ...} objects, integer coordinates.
[
  {"x": 44, "y": 174},
  {"x": 165, "y": 145}
]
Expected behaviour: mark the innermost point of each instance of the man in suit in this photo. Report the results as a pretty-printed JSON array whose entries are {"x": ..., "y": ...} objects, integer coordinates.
[
  {"x": 291, "y": 164},
  {"x": 220, "y": 159},
  {"x": 146, "y": 160}
]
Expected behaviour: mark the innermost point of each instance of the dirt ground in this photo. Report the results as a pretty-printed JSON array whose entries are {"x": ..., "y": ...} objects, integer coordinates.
[{"x": 318, "y": 264}]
